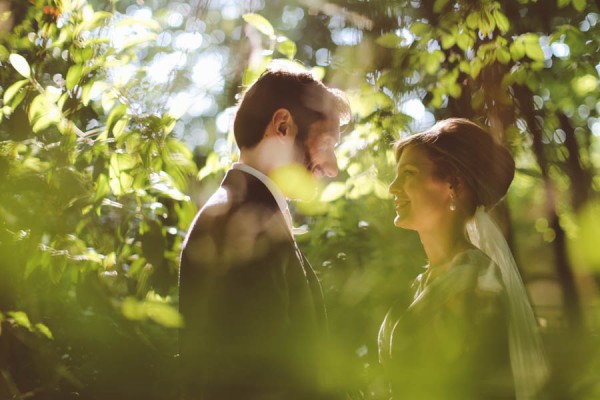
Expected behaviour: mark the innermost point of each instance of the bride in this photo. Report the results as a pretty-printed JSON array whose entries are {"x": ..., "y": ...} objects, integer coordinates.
[{"x": 469, "y": 331}]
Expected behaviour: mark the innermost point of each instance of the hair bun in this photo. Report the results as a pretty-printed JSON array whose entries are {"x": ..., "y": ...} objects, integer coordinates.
[{"x": 487, "y": 166}]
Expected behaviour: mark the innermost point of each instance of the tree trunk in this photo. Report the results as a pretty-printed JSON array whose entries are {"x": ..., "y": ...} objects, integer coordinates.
[
  {"x": 564, "y": 272},
  {"x": 580, "y": 177}
]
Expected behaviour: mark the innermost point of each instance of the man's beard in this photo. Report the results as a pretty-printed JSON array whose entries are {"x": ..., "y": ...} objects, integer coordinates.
[{"x": 301, "y": 153}]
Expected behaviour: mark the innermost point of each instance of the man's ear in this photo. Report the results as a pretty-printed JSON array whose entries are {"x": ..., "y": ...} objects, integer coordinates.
[{"x": 282, "y": 122}]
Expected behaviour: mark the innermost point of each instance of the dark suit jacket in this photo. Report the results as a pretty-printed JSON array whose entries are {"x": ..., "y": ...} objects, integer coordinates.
[{"x": 252, "y": 305}]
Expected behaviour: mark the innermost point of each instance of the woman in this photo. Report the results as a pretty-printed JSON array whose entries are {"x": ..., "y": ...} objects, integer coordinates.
[{"x": 469, "y": 331}]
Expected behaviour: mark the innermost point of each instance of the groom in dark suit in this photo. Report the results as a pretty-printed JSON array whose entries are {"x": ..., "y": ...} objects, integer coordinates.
[{"x": 253, "y": 307}]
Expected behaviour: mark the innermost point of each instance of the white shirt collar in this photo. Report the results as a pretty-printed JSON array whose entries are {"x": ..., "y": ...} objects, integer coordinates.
[{"x": 275, "y": 191}]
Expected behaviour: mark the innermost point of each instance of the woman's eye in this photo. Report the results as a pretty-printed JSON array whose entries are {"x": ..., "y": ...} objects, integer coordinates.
[{"x": 408, "y": 173}]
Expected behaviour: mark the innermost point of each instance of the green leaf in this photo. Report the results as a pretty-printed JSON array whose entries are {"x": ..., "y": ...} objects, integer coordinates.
[
  {"x": 4, "y": 53},
  {"x": 501, "y": 21},
  {"x": 44, "y": 330},
  {"x": 584, "y": 85},
  {"x": 439, "y": 5},
  {"x": 432, "y": 64},
  {"x": 503, "y": 55},
  {"x": 448, "y": 40},
  {"x": 517, "y": 50},
  {"x": 563, "y": 3},
  {"x": 260, "y": 23},
  {"x": 473, "y": 20},
  {"x": 20, "y": 318},
  {"x": 161, "y": 313},
  {"x": 286, "y": 47},
  {"x": 534, "y": 51},
  {"x": 579, "y": 5},
  {"x": 13, "y": 89},
  {"x": 389, "y": 40},
  {"x": 463, "y": 41},
  {"x": 20, "y": 64},
  {"x": 333, "y": 191},
  {"x": 420, "y": 29},
  {"x": 74, "y": 76}
]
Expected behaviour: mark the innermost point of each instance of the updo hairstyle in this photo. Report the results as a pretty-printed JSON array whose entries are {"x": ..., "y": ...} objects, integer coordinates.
[{"x": 462, "y": 151}]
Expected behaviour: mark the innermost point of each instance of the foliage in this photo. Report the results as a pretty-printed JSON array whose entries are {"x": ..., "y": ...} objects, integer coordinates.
[{"x": 115, "y": 125}]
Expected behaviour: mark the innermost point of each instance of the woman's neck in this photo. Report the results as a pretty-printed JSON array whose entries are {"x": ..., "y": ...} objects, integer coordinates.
[{"x": 441, "y": 246}]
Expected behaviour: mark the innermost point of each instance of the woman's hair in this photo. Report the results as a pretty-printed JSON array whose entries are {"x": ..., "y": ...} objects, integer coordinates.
[{"x": 462, "y": 151}]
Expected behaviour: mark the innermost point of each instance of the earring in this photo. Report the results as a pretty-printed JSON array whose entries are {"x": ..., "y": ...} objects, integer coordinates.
[{"x": 452, "y": 202}]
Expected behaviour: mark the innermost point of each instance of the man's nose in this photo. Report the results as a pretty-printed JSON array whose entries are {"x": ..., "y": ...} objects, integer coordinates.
[{"x": 330, "y": 167}]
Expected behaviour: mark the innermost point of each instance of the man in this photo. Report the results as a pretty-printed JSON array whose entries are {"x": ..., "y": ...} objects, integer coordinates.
[{"x": 252, "y": 305}]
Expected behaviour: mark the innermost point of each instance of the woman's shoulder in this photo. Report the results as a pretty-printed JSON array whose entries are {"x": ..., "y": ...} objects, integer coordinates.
[{"x": 485, "y": 274}]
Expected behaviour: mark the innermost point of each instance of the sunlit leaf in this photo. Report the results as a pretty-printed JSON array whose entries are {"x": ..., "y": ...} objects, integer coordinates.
[
  {"x": 74, "y": 76},
  {"x": 13, "y": 89},
  {"x": 20, "y": 64},
  {"x": 563, "y": 3},
  {"x": 286, "y": 47},
  {"x": 44, "y": 330},
  {"x": 534, "y": 51},
  {"x": 501, "y": 21},
  {"x": 517, "y": 50},
  {"x": 295, "y": 182},
  {"x": 473, "y": 20},
  {"x": 333, "y": 191},
  {"x": 20, "y": 318},
  {"x": 420, "y": 28},
  {"x": 149, "y": 23},
  {"x": 260, "y": 23},
  {"x": 161, "y": 313},
  {"x": 503, "y": 55},
  {"x": 448, "y": 40},
  {"x": 579, "y": 5},
  {"x": 318, "y": 73},
  {"x": 463, "y": 41},
  {"x": 389, "y": 40},
  {"x": 585, "y": 84}
]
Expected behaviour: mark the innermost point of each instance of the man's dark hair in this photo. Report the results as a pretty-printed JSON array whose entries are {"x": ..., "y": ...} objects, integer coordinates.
[{"x": 306, "y": 98}]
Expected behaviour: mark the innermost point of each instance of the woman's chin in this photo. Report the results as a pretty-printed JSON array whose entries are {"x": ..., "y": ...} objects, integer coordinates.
[{"x": 399, "y": 222}]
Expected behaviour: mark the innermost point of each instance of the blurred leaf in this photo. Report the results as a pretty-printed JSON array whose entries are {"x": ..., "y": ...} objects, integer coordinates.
[
  {"x": 389, "y": 40},
  {"x": 503, "y": 55},
  {"x": 286, "y": 47},
  {"x": 584, "y": 85},
  {"x": 74, "y": 76},
  {"x": 20, "y": 64},
  {"x": 517, "y": 50},
  {"x": 13, "y": 89},
  {"x": 534, "y": 51},
  {"x": 420, "y": 28},
  {"x": 20, "y": 318},
  {"x": 439, "y": 5},
  {"x": 563, "y": 3},
  {"x": 579, "y": 5},
  {"x": 501, "y": 21},
  {"x": 44, "y": 330},
  {"x": 295, "y": 182},
  {"x": 161, "y": 313},
  {"x": 333, "y": 191},
  {"x": 260, "y": 23},
  {"x": 473, "y": 20},
  {"x": 448, "y": 40}
]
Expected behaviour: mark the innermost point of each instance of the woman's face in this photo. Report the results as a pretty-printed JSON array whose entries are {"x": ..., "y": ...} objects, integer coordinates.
[{"x": 422, "y": 200}]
